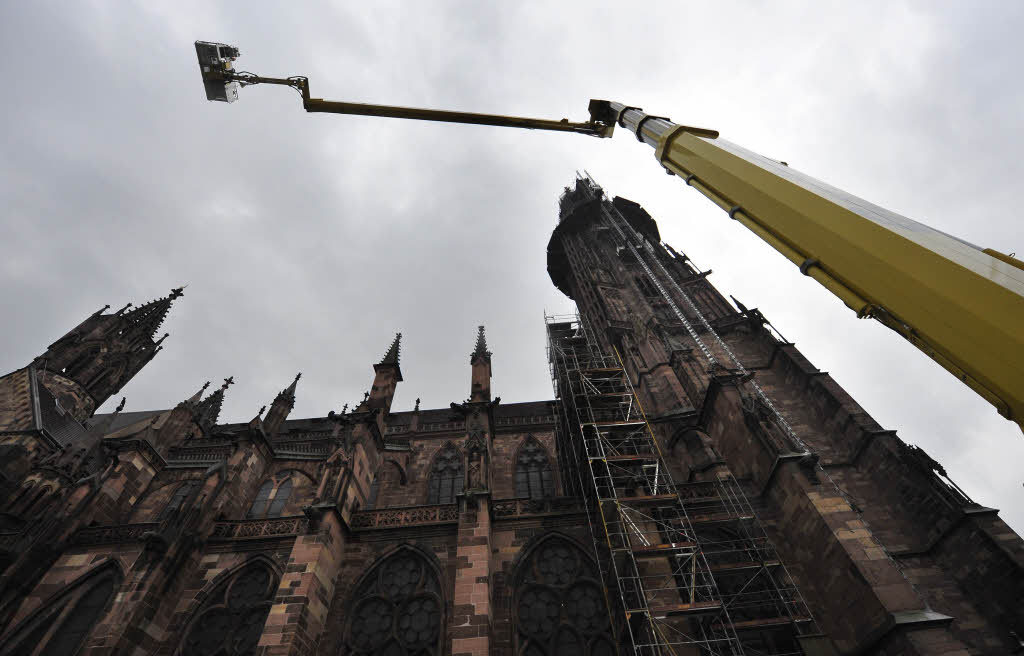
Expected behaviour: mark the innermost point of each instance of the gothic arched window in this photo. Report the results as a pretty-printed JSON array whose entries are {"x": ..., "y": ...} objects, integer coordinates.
[
  {"x": 559, "y": 603},
  {"x": 446, "y": 476},
  {"x": 533, "y": 471},
  {"x": 61, "y": 626},
  {"x": 177, "y": 499},
  {"x": 230, "y": 622},
  {"x": 272, "y": 497},
  {"x": 259, "y": 505},
  {"x": 397, "y": 610}
]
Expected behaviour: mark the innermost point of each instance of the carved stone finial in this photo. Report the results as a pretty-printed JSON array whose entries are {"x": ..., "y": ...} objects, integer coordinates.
[
  {"x": 344, "y": 409},
  {"x": 120, "y": 406},
  {"x": 203, "y": 388},
  {"x": 230, "y": 380},
  {"x": 366, "y": 395},
  {"x": 262, "y": 409},
  {"x": 480, "y": 350},
  {"x": 417, "y": 408}
]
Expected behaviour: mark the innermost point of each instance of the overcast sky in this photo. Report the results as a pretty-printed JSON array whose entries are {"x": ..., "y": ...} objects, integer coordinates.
[{"x": 308, "y": 240}]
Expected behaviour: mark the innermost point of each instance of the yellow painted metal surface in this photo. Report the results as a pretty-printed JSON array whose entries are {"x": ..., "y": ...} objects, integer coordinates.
[{"x": 957, "y": 303}]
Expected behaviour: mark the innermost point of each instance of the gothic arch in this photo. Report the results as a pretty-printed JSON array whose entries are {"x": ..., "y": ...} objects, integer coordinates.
[
  {"x": 397, "y": 608},
  {"x": 277, "y": 492},
  {"x": 558, "y": 604},
  {"x": 226, "y": 618},
  {"x": 402, "y": 477},
  {"x": 532, "y": 470},
  {"x": 63, "y": 622},
  {"x": 446, "y": 476}
]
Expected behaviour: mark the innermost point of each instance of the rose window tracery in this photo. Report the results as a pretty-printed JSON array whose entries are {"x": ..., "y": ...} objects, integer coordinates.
[
  {"x": 231, "y": 621},
  {"x": 560, "y": 605},
  {"x": 397, "y": 611}
]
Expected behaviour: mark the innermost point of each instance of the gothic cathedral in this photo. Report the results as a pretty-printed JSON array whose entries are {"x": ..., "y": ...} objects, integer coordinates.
[{"x": 695, "y": 487}]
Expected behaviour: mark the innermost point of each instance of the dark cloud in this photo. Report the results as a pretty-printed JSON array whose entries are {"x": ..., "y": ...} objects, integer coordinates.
[{"x": 307, "y": 240}]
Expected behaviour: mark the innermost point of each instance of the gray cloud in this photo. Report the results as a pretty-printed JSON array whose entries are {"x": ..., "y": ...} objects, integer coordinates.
[{"x": 308, "y": 240}]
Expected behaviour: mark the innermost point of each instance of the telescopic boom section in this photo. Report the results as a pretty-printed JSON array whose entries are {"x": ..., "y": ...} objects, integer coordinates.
[{"x": 960, "y": 304}]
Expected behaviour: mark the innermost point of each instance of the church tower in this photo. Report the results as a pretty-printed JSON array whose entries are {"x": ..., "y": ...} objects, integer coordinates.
[
  {"x": 93, "y": 361},
  {"x": 790, "y": 519}
]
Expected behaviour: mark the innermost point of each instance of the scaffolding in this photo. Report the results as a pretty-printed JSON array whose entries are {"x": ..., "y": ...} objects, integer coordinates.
[{"x": 688, "y": 569}]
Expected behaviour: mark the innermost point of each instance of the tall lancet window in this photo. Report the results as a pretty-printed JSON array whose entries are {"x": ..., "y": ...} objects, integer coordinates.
[
  {"x": 61, "y": 626},
  {"x": 446, "y": 476},
  {"x": 230, "y": 621},
  {"x": 533, "y": 471},
  {"x": 559, "y": 603},
  {"x": 272, "y": 497},
  {"x": 397, "y": 610}
]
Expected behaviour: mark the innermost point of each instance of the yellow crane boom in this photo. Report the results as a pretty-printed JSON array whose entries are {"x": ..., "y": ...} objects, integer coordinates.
[{"x": 960, "y": 304}]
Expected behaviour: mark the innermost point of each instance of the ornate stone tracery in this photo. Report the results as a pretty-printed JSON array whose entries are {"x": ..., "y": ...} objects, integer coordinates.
[
  {"x": 446, "y": 476},
  {"x": 398, "y": 609},
  {"x": 533, "y": 471},
  {"x": 231, "y": 620},
  {"x": 559, "y": 603}
]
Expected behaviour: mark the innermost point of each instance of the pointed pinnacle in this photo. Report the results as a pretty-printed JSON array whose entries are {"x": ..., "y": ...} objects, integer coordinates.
[
  {"x": 393, "y": 354},
  {"x": 288, "y": 393},
  {"x": 481, "y": 345}
]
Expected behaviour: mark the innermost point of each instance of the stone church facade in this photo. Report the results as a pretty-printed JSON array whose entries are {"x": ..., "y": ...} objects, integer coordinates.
[{"x": 484, "y": 527}]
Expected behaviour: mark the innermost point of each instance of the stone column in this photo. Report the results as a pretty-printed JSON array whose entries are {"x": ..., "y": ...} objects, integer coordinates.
[
  {"x": 471, "y": 617},
  {"x": 299, "y": 613}
]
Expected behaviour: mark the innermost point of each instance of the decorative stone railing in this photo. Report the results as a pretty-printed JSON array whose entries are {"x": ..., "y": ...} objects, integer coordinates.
[
  {"x": 407, "y": 516},
  {"x": 510, "y": 508},
  {"x": 199, "y": 454},
  {"x": 259, "y": 528},
  {"x": 305, "y": 448},
  {"x": 91, "y": 535},
  {"x": 304, "y": 435},
  {"x": 527, "y": 419}
]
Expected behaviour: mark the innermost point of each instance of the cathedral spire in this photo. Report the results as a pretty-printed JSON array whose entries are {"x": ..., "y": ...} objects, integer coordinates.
[
  {"x": 281, "y": 408},
  {"x": 146, "y": 319},
  {"x": 95, "y": 359}
]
